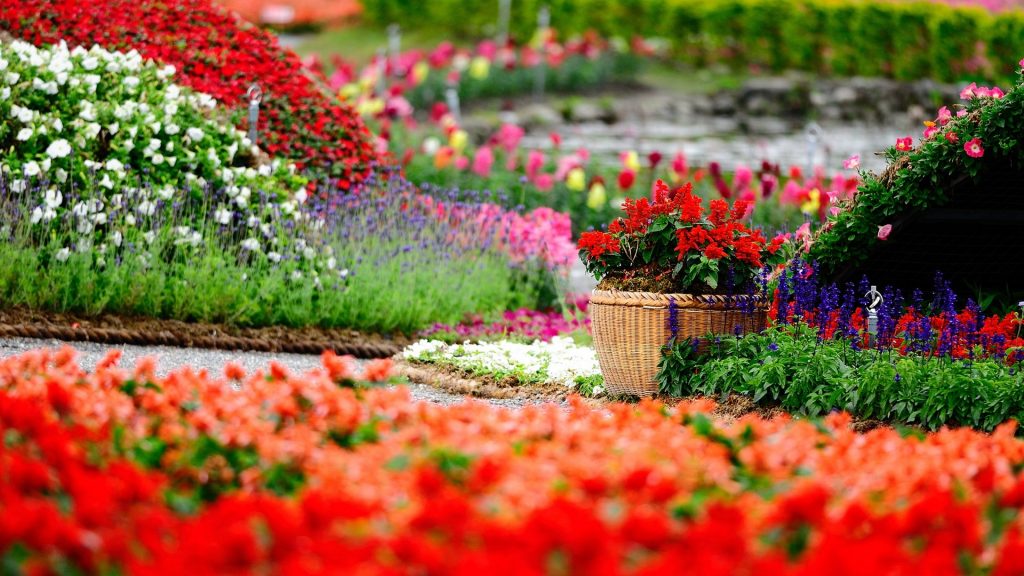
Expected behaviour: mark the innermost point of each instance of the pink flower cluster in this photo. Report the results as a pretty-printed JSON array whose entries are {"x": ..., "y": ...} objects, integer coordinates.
[
  {"x": 525, "y": 323},
  {"x": 542, "y": 234}
]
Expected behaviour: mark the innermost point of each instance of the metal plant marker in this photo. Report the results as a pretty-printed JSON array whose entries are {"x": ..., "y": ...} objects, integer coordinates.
[
  {"x": 874, "y": 303},
  {"x": 394, "y": 46},
  {"x": 543, "y": 22},
  {"x": 504, "y": 15},
  {"x": 255, "y": 94},
  {"x": 814, "y": 134}
]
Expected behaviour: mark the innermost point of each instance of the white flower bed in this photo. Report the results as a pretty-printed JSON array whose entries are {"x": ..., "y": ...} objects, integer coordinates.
[
  {"x": 99, "y": 118},
  {"x": 560, "y": 361}
]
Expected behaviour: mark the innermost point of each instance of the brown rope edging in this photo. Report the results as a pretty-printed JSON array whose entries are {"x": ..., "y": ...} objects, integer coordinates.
[
  {"x": 682, "y": 301},
  {"x": 214, "y": 341}
]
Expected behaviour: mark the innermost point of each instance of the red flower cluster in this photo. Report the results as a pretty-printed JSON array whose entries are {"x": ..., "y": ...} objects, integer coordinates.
[
  {"x": 113, "y": 472},
  {"x": 597, "y": 244},
  {"x": 214, "y": 53}
]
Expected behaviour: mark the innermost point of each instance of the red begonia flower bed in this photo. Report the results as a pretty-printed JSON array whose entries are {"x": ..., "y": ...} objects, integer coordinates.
[{"x": 277, "y": 473}]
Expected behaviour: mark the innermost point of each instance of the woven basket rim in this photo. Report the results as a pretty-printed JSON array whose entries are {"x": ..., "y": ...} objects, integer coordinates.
[{"x": 657, "y": 299}]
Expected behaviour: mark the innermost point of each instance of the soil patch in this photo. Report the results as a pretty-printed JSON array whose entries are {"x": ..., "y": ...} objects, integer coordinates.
[
  {"x": 110, "y": 329},
  {"x": 458, "y": 381}
]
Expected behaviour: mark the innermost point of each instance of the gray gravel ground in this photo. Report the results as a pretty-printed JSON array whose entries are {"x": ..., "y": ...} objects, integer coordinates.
[{"x": 169, "y": 359}]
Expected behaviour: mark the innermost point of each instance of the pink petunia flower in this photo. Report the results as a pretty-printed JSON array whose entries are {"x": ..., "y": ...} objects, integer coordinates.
[
  {"x": 883, "y": 231},
  {"x": 973, "y": 148},
  {"x": 930, "y": 131},
  {"x": 904, "y": 144},
  {"x": 969, "y": 91},
  {"x": 483, "y": 161},
  {"x": 944, "y": 116},
  {"x": 952, "y": 137},
  {"x": 852, "y": 163}
]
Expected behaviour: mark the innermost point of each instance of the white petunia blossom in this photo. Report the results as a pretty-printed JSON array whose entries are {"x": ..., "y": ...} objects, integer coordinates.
[
  {"x": 63, "y": 254},
  {"x": 24, "y": 134},
  {"x": 58, "y": 149}
]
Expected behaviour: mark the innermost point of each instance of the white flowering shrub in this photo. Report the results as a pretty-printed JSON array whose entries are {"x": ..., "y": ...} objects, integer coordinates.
[
  {"x": 100, "y": 119},
  {"x": 560, "y": 361}
]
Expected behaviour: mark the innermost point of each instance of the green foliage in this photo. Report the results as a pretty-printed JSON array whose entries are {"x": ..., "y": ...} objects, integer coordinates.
[
  {"x": 789, "y": 367},
  {"x": 905, "y": 40},
  {"x": 923, "y": 177}
]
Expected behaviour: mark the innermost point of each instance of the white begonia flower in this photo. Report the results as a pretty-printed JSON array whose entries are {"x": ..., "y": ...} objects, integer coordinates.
[
  {"x": 166, "y": 193},
  {"x": 90, "y": 63},
  {"x": 5, "y": 93},
  {"x": 113, "y": 128},
  {"x": 84, "y": 226},
  {"x": 45, "y": 164},
  {"x": 58, "y": 126},
  {"x": 169, "y": 147},
  {"x": 155, "y": 127},
  {"x": 31, "y": 169},
  {"x": 194, "y": 134},
  {"x": 147, "y": 208},
  {"x": 115, "y": 165},
  {"x": 170, "y": 109},
  {"x": 131, "y": 82},
  {"x": 37, "y": 215},
  {"x": 172, "y": 160},
  {"x": 3, "y": 64},
  {"x": 157, "y": 159},
  {"x": 250, "y": 244},
  {"x": 24, "y": 115},
  {"x": 92, "y": 130},
  {"x": 172, "y": 129},
  {"x": 62, "y": 175},
  {"x": 12, "y": 78},
  {"x": 24, "y": 134},
  {"x": 129, "y": 219},
  {"x": 92, "y": 80},
  {"x": 106, "y": 182},
  {"x": 99, "y": 218},
  {"x": 88, "y": 112},
  {"x": 154, "y": 144},
  {"x": 58, "y": 149},
  {"x": 264, "y": 170},
  {"x": 62, "y": 255}
]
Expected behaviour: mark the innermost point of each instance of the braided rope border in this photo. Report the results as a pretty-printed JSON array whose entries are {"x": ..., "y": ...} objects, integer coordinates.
[{"x": 364, "y": 350}]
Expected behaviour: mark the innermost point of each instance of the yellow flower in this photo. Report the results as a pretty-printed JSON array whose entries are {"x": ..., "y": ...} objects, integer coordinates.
[
  {"x": 597, "y": 196},
  {"x": 349, "y": 91},
  {"x": 479, "y": 68},
  {"x": 631, "y": 160},
  {"x": 420, "y": 71},
  {"x": 458, "y": 140},
  {"x": 370, "y": 107},
  {"x": 576, "y": 180},
  {"x": 813, "y": 203}
]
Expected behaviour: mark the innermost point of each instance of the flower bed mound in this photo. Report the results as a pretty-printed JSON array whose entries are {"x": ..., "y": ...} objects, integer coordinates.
[
  {"x": 215, "y": 53},
  {"x": 132, "y": 473}
]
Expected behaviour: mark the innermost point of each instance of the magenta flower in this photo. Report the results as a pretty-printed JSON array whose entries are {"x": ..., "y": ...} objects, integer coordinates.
[
  {"x": 852, "y": 163},
  {"x": 883, "y": 231},
  {"x": 904, "y": 144},
  {"x": 483, "y": 161},
  {"x": 930, "y": 131},
  {"x": 952, "y": 137},
  {"x": 534, "y": 164},
  {"x": 973, "y": 148},
  {"x": 969, "y": 91},
  {"x": 944, "y": 116}
]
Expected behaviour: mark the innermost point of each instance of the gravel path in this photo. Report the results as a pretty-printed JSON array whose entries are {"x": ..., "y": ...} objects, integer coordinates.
[{"x": 170, "y": 359}]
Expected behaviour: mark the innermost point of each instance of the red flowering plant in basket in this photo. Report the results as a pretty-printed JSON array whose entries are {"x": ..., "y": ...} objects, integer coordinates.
[{"x": 676, "y": 245}]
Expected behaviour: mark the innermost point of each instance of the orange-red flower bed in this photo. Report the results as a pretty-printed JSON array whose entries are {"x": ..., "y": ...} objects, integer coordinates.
[{"x": 278, "y": 473}]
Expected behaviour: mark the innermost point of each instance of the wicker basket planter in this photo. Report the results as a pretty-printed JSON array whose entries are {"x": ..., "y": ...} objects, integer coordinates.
[{"x": 630, "y": 329}]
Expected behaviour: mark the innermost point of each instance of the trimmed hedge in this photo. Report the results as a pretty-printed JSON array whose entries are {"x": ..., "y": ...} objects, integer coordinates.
[{"x": 906, "y": 41}]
